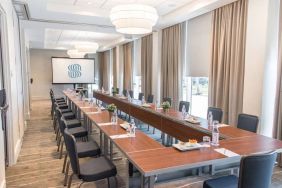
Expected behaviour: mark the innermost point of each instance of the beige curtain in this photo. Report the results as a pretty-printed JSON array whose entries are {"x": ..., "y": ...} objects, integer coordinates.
[
  {"x": 101, "y": 63},
  {"x": 228, "y": 59},
  {"x": 170, "y": 67},
  {"x": 146, "y": 64},
  {"x": 127, "y": 56},
  {"x": 115, "y": 67},
  {"x": 104, "y": 69},
  {"x": 277, "y": 129}
]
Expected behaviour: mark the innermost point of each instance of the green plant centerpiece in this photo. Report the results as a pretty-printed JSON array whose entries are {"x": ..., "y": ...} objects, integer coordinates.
[
  {"x": 114, "y": 91},
  {"x": 165, "y": 106},
  {"x": 111, "y": 109}
]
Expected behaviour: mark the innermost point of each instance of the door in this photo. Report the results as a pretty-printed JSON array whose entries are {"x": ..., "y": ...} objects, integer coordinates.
[{"x": 3, "y": 107}]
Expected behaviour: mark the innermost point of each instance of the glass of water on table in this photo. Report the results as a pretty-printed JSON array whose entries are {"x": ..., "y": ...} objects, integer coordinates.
[{"x": 206, "y": 141}]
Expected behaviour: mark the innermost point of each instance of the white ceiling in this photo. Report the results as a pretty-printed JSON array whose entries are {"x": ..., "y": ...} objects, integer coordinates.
[{"x": 57, "y": 24}]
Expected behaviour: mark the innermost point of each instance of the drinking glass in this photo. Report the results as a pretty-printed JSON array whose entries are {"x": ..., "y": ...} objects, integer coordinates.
[{"x": 206, "y": 141}]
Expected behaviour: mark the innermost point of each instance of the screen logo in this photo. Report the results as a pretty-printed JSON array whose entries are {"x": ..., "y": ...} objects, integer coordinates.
[{"x": 74, "y": 71}]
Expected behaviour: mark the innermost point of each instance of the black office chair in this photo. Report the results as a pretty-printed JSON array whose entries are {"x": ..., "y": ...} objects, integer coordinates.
[
  {"x": 217, "y": 113},
  {"x": 84, "y": 149},
  {"x": 140, "y": 96},
  {"x": 75, "y": 128},
  {"x": 150, "y": 98},
  {"x": 124, "y": 92},
  {"x": 167, "y": 99},
  {"x": 93, "y": 169},
  {"x": 131, "y": 93},
  {"x": 255, "y": 172},
  {"x": 248, "y": 122},
  {"x": 184, "y": 103}
]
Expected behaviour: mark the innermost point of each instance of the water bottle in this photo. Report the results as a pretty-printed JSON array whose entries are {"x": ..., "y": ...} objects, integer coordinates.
[
  {"x": 99, "y": 107},
  {"x": 210, "y": 119},
  {"x": 91, "y": 102},
  {"x": 129, "y": 97},
  {"x": 156, "y": 104},
  {"x": 132, "y": 127},
  {"x": 103, "y": 91},
  {"x": 114, "y": 118},
  {"x": 184, "y": 111},
  {"x": 215, "y": 134},
  {"x": 143, "y": 100}
]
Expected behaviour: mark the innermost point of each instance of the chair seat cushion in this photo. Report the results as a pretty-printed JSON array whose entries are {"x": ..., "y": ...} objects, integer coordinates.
[
  {"x": 87, "y": 149},
  {"x": 222, "y": 182},
  {"x": 78, "y": 132},
  {"x": 63, "y": 106},
  {"x": 97, "y": 169},
  {"x": 59, "y": 99},
  {"x": 65, "y": 111},
  {"x": 68, "y": 115},
  {"x": 72, "y": 123}
]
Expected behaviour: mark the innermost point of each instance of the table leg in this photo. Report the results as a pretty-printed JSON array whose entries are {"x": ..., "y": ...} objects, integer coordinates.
[
  {"x": 111, "y": 150},
  {"x": 147, "y": 182},
  {"x": 101, "y": 139},
  {"x": 106, "y": 152}
]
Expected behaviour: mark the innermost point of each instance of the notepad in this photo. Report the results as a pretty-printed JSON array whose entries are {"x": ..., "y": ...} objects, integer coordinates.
[
  {"x": 93, "y": 112},
  {"x": 222, "y": 125},
  {"x": 122, "y": 136},
  {"x": 84, "y": 107},
  {"x": 226, "y": 152},
  {"x": 104, "y": 124}
]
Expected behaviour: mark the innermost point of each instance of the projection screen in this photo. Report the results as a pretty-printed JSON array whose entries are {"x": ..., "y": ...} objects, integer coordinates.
[{"x": 73, "y": 70}]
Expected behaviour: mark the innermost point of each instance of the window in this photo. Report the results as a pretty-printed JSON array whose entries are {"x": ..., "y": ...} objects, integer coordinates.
[
  {"x": 137, "y": 86},
  {"x": 195, "y": 90}
]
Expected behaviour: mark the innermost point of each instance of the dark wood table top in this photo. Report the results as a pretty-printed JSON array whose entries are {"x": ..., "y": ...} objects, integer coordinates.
[{"x": 152, "y": 158}]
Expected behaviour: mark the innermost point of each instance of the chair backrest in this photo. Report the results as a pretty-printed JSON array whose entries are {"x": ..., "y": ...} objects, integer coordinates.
[
  {"x": 150, "y": 98},
  {"x": 184, "y": 103},
  {"x": 124, "y": 92},
  {"x": 131, "y": 93},
  {"x": 216, "y": 113},
  {"x": 256, "y": 170},
  {"x": 248, "y": 122},
  {"x": 61, "y": 120},
  {"x": 140, "y": 96},
  {"x": 168, "y": 99},
  {"x": 72, "y": 151}
]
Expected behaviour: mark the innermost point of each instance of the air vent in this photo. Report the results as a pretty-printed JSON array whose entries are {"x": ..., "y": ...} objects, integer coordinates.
[{"x": 21, "y": 9}]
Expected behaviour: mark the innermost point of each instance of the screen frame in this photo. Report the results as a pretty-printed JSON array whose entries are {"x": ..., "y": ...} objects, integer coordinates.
[{"x": 73, "y": 58}]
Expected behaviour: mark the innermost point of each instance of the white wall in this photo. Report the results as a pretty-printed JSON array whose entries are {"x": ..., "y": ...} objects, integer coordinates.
[
  {"x": 260, "y": 62},
  {"x": 13, "y": 69},
  {"x": 97, "y": 65},
  {"x": 41, "y": 73}
]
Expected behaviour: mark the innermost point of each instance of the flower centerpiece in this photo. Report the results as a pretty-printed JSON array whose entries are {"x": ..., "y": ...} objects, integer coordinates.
[
  {"x": 114, "y": 91},
  {"x": 165, "y": 106},
  {"x": 111, "y": 109}
]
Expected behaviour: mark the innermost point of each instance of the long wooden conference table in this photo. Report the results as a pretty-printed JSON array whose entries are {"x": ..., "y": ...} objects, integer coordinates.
[{"x": 152, "y": 158}]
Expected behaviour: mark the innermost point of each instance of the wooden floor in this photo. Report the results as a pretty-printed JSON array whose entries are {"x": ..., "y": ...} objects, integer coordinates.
[{"x": 38, "y": 165}]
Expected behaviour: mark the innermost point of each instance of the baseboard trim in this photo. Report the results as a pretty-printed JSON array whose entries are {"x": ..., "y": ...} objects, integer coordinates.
[
  {"x": 18, "y": 150},
  {"x": 3, "y": 184}
]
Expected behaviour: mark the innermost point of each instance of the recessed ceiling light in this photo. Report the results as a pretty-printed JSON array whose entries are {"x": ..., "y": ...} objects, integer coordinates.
[{"x": 89, "y": 2}]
